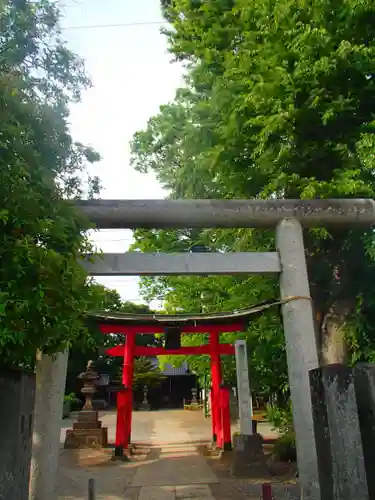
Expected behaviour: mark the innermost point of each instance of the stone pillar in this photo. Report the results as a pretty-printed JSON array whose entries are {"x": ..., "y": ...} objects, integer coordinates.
[
  {"x": 247, "y": 446},
  {"x": 243, "y": 389},
  {"x": 50, "y": 374},
  {"x": 364, "y": 377},
  {"x": 338, "y": 438},
  {"x": 301, "y": 348}
]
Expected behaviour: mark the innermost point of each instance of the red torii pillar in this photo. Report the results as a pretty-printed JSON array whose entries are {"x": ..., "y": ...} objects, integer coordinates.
[
  {"x": 125, "y": 398},
  {"x": 120, "y": 423},
  {"x": 127, "y": 382},
  {"x": 216, "y": 379}
]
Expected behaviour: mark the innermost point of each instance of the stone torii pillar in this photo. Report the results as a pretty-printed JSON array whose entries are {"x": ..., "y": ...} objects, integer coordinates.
[
  {"x": 301, "y": 348},
  {"x": 50, "y": 387}
]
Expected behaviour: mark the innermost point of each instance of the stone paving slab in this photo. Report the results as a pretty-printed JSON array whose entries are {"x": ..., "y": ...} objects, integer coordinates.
[
  {"x": 188, "y": 492},
  {"x": 98, "y": 497},
  {"x": 193, "y": 491},
  {"x": 175, "y": 470},
  {"x": 157, "y": 493}
]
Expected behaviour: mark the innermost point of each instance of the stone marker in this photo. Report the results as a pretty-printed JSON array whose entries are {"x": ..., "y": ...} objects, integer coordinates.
[
  {"x": 243, "y": 388},
  {"x": 248, "y": 459},
  {"x": 247, "y": 446},
  {"x": 337, "y": 434},
  {"x": 365, "y": 393}
]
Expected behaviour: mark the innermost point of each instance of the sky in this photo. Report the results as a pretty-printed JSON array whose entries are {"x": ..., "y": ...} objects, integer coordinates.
[{"x": 132, "y": 76}]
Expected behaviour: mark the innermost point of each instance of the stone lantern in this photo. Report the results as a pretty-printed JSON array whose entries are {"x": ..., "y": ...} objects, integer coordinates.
[
  {"x": 194, "y": 393},
  {"x": 145, "y": 405},
  {"x": 87, "y": 431},
  {"x": 89, "y": 379}
]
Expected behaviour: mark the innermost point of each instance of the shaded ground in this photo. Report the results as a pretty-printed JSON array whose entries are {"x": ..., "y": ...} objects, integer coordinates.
[
  {"x": 283, "y": 488},
  {"x": 169, "y": 464},
  {"x": 111, "y": 478},
  {"x": 152, "y": 427}
]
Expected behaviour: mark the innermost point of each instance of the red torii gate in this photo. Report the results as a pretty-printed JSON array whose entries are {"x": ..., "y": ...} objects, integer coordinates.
[{"x": 130, "y": 325}]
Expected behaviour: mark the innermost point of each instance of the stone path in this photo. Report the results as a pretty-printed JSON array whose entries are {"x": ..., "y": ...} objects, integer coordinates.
[
  {"x": 173, "y": 472},
  {"x": 167, "y": 465},
  {"x": 177, "y": 470},
  {"x": 175, "y": 465}
]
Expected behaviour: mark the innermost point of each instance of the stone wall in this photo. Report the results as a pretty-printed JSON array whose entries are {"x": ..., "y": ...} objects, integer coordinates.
[{"x": 17, "y": 393}]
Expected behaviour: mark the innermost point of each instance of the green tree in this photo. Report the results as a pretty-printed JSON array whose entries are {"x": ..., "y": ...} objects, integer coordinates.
[
  {"x": 146, "y": 373},
  {"x": 93, "y": 344},
  {"x": 44, "y": 290},
  {"x": 279, "y": 102},
  {"x": 266, "y": 350}
]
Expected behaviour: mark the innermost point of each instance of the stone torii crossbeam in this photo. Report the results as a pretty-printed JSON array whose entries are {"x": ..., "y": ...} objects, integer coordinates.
[{"x": 288, "y": 217}]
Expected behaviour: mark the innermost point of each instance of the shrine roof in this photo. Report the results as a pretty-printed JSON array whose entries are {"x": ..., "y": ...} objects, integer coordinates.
[{"x": 218, "y": 318}]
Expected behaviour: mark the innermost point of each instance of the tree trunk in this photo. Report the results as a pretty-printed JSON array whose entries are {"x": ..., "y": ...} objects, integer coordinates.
[{"x": 334, "y": 347}]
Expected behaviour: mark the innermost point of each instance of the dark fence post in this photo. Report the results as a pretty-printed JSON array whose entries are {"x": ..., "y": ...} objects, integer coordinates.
[
  {"x": 337, "y": 434},
  {"x": 17, "y": 395},
  {"x": 365, "y": 393},
  {"x": 267, "y": 491},
  {"x": 91, "y": 489}
]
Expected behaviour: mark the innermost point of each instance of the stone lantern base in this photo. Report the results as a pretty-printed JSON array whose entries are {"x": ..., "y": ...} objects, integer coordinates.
[{"x": 87, "y": 432}]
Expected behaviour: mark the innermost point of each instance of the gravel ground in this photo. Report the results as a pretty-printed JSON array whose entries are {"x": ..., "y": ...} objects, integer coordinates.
[
  {"x": 112, "y": 478},
  {"x": 247, "y": 489}
]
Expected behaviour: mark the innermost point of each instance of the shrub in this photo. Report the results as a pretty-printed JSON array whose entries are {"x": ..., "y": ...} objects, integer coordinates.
[
  {"x": 281, "y": 418},
  {"x": 74, "y": 401},
  {"x": 285, "y": 448}
]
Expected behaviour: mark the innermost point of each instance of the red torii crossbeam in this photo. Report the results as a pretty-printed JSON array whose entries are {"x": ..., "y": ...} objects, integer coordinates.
[
  {"x": 119, "y": 350},
  {"x": 131, "y": 325}
]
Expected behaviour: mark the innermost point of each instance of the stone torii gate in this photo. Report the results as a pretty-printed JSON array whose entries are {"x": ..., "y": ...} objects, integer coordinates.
[{"x": 288, "y": 217}]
